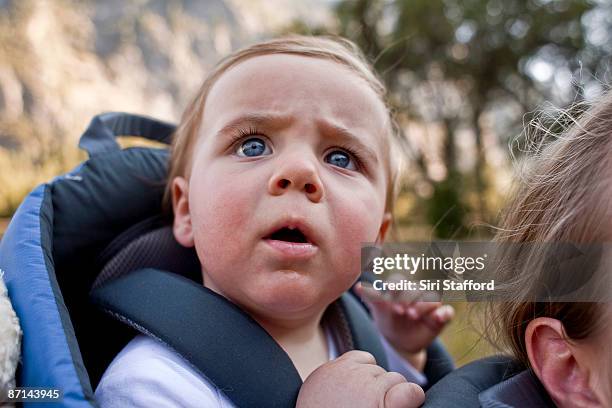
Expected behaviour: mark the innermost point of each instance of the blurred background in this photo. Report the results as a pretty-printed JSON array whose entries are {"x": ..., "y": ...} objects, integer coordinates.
[{"x": 466, "y": 78}]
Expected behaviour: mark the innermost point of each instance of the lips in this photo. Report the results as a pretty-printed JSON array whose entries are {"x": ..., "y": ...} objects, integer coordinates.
[
  {"x": 292, "y": 230},
  {"x": 289, "y": 235},
  {"x": 292, "y": 239}
]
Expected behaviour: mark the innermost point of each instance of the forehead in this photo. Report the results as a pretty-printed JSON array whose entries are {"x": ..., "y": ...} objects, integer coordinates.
[{"x": 303, "y": 87}]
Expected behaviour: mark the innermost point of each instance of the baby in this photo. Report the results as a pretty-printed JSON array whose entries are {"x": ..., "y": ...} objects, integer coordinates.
[{"x": 281, "y": 167}]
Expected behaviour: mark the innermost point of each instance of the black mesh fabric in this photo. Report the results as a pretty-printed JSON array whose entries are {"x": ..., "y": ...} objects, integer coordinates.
[
  {"x": 147, "y": 244},
  {"x": 155, "y": 249}
]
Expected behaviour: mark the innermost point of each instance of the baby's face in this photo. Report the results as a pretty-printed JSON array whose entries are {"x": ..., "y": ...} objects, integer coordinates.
[{"x": 288, "y": 179}]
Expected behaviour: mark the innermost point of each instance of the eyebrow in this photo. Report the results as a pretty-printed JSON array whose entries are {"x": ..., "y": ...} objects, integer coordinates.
[
  {"x": 339, "y": 132},
  {"x": 278, "y": 121},
  {"x": 271, "y": 120}
]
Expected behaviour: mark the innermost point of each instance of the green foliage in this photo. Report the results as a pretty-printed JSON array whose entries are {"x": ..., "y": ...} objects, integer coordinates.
[
  {"x": 445, "y": 210},
  {"x": 484, "y": 42},
  {"x": 451, "y": 62}
]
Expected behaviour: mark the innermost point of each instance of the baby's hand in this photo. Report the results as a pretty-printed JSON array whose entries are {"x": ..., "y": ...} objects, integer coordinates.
[
  {"x": 409, "y": 325},
  {"x": 353, "y": 380}
]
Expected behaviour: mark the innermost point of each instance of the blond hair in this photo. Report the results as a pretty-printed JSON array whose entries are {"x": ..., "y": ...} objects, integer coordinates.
[
  {"x": 339, "y": 50},
  {"x": 563, "y": 198}
]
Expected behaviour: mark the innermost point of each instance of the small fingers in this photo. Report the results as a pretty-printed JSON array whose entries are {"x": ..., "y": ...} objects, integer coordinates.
[
  {"x": 404, "y": 395},
  {"x": 444, "y": 314},
  {"x": 438, "y": 318},
  {"x": 419, "y": 309},
  {"x": 358, "y": 356},
  {"x": 396, "y": 302},
  {"x": 390, "y": 378},
  {"x": 370, "y": 295}
]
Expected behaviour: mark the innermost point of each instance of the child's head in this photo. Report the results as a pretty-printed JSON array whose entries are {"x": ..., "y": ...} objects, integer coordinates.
[
  {"x": 281, "y": 167},
  {"x": 338, "y": 50},
  {"x": 563, "y": 198}
]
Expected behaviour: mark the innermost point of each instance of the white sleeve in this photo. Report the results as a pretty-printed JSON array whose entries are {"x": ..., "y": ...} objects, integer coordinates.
[{"x": 148, "y": 374}]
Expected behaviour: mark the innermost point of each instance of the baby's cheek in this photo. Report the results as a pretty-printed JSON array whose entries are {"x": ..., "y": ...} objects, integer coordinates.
[
  {"x": 220, "y": 216},
  {"x": 356, "y": 222},
  {"x": 359, "y": 218}
]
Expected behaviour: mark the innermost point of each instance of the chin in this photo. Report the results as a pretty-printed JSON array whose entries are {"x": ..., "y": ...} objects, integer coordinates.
[{"x": 289, "y": 298}]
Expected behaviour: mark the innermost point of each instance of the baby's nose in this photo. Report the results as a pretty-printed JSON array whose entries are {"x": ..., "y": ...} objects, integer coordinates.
[{"x": 300, "y": 174}]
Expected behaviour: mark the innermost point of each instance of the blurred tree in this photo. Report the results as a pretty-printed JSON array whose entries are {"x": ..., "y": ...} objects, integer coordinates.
[{"x": 451, "y": 62}]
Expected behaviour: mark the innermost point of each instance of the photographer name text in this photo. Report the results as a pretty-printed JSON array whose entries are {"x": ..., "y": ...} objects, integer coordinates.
[{"x": 434, "y": 285}]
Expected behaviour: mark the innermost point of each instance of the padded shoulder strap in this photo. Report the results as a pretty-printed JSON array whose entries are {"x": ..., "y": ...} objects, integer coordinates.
[
  {"x": 364, "y": 334},
  {"x": 439, "y": 363},
  {"x": 521, "y": 390},
  {"x": 239, "y": 356},
  {"x": 464, "y": 385}
]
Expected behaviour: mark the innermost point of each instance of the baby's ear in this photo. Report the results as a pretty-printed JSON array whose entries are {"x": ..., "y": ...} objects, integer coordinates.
[
  {"x": 384, "y": 227},
  {"x": 182, "y": 229},
  {"x": 558, "y": 364}
]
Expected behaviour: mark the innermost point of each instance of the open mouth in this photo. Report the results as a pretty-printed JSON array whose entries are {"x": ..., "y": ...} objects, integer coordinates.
[
  {"x": 289, "y": 235},
  {"x": 292, "y": 241}
]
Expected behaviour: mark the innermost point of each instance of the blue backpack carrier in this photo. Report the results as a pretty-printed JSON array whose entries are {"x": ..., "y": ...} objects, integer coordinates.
[{"x": 90, "y": 261}]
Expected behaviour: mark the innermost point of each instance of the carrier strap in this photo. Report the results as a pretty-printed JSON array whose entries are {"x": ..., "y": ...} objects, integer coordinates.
[
  {"x": 492, "y": 382},
  {"x": 216, "y": 337},
  {"x": 101, "y": 134},
  {"x": 363, "y": 333}
]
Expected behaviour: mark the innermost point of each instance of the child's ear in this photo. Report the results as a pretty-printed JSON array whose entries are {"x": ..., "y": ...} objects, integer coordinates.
[
  {"x": 384, "y": 227},
  {"x": 558, "y": 366},
  {"x": 182, "y": 228}
]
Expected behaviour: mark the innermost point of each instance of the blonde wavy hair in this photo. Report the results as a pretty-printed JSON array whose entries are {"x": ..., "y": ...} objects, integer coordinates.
[{"x": 563, "y": 196}]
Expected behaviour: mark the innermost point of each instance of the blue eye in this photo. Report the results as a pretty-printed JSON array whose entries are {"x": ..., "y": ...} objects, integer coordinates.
[
  {"x": 253, "y": 147},
  {"x": 340, "y": 159}
]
